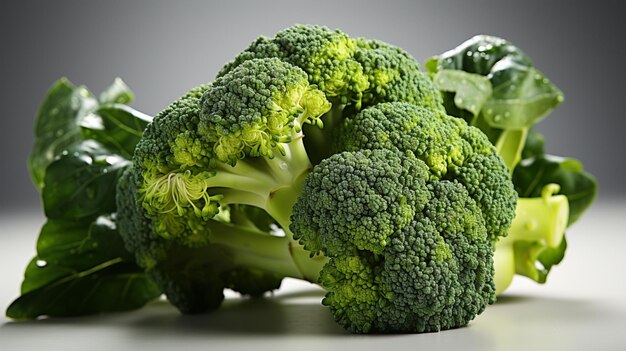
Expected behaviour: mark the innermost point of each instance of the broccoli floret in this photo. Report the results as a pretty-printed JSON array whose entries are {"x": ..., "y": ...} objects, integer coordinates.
[
  {"x": 450, "y": 148},
  {"x": 394, "y": 75},
  {"x": 327, "y": 57},
  {"x": 353, "y": 73},
  {"x": 235, "y": 143},
  {"x": 407, "y": 253}
]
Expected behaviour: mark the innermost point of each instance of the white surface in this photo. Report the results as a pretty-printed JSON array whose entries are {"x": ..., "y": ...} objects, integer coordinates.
[{"x": 582, "y": 307}]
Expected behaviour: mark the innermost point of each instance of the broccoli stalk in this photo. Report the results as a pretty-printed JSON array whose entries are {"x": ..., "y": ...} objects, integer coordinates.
[
  {"x": 254, "y": 248},
  {"x": 539, "y": 224}
]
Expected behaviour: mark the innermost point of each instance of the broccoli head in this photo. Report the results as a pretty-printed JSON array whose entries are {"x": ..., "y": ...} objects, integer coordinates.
[
  {"x": 218, "y": 149},
  {"x": 407, "y": 252},
  {"x": 451, "y": 149}
]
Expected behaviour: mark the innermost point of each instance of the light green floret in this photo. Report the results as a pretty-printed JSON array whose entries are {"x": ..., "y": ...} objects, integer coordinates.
[
  {"x": 246, "y": 146},
  {"x": 353, "y": 73},
  {"x": 257, "y": 108},
  {"x": 325, "y": 55}
]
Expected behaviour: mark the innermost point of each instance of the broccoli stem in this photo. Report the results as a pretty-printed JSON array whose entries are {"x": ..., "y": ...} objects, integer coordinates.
[
  {"x": 252, "y": 248},
  {"x": 319, "y": 140},
  {"x": 541, "y": 218},
  {"x": 277, "y": 197},
  {"x": 247, "y": 182},
  {"x": 510, "y": 144},
  {"x": 539, "y": 222}
]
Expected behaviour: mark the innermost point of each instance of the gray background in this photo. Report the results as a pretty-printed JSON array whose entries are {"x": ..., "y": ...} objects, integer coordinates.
[{"x": 161, "y": 49}]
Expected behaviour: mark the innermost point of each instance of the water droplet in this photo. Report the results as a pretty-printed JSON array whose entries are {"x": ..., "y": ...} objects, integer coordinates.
[
  {"x": 41, "y": 263},
  {"x": 489, "y": 112},
  {"x": 105, "y": 171},
  {"x": 59, "y": 133},
  {"x": 65, "y": 153},
  {"x": 497, "y": 118},
  {"x": 284, "y": 165}
]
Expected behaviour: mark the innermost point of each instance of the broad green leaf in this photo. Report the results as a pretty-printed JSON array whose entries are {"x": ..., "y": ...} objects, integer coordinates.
[
  {"x": 39, "y": 273},
  {"x": 471, "y": 90},
  {"x": 117, "y": 93},
  {"x": 118, "y": 127},
  {"x": 67, "y": 246},
  {"x": 56, "y": 126},
  {"x": 81, "y": 183},
  {"x": 78, "y": 245},
  {"x": 532, "y": 174},
  {"x": 114, "y": 285},
  {"x": 81, "y": 268},
  {"x": 521, "y": 95}
]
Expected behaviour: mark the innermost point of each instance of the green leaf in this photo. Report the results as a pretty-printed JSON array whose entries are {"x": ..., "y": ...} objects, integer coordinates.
[
  {"x": 80, "y": 245},
  {"x": 81, "y": 183},
  {"x": 114, "y": 285},
  {"x": 118, "y": 127},
  {"x": 56, "y": 126},
  {"x": 521, "y": 95},
  {"x": 117, "y": 93},
  {"x": 531, "y": 175},
  {"x": 81, "y": 268},
  {"x": 471, "y": 90},
  {"x": 39, "y": 273}
]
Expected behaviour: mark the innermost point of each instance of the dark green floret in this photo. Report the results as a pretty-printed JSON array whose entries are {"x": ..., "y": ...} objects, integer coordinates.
[
  {"x": 450, "y": 148},
  {"x": 407, "y": 253}
]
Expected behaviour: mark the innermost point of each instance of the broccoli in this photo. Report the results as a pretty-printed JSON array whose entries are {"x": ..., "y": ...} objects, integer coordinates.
[
  {"x": 394, "y": 207},
  {"x": 353, "y": 73},
  {"x": 334, "y": 160},
  {"x": 408, "y": 232}
]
